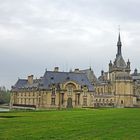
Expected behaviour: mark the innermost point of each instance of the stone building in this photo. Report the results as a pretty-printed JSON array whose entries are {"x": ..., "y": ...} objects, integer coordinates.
[
  {"x": 115, "y": 88},
  {"x": 80, "y": 88},
  {"x": 136, "y": 87},
  {"x": 54, "y": 90}
]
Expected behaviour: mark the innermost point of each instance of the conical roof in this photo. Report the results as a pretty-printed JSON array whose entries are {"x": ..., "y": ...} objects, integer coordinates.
[{"x": 119, "y": 62}]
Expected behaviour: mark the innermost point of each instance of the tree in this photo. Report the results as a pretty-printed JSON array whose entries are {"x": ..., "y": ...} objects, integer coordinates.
[{"x": 4, "y": 95}]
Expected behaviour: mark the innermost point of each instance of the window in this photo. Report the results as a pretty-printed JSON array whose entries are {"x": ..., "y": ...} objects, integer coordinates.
[
  {"x": 62, "y": 101},
  {"x": 25, "y": 101},
  {"x": 121, "y": 101},
  {"x": 70, "y": 90},
  {"x": 33, "y": 101},
  {"x": 109, "y": 90},
  {"x": 98, "y": 90},
  {"x": 53, "y": 90},
  {"x": 101, "y": 90},
  {"x": 39, "y": 101},
  {"x": 85, "y": 91},
  {"x": 78, "y": 99},
  {"x": 21, "y": 100},
  {"x": 85, "y": 101},
  {"x": 53, "y": 101}
]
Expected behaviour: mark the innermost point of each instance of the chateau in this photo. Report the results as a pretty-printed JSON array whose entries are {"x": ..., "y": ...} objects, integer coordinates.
[{"x": 80, "y": 88}]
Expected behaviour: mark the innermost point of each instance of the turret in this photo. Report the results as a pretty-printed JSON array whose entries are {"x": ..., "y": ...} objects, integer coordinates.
[
  {"x": 128, "y": 64},
  {"x": 102, "y": 73},
  {"x": 135, "y": 71},
  {"x": 110, "y": 66}
]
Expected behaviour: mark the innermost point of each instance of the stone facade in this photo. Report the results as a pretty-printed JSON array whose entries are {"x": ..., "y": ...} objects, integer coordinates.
[
  {"x": 80, "y": 88},
  {"x": 115, "y": 88},
  {"x": 54, "y": 90}
]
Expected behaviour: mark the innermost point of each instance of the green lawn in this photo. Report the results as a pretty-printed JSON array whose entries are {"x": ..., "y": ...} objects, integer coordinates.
[{"x": 90, "y": 124}]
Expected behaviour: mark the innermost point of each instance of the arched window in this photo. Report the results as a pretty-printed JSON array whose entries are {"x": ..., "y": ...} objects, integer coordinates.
[{"x": 107, "y": 100}]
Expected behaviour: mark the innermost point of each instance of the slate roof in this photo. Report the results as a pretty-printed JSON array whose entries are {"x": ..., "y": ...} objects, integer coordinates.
[
  {"x": 20, "y": 83},
  {"x": 119, "y": 62},
  {"x": 135, "y": 76},
  {"x": 90, "y": 74},
  {"x": 23, "y": 83},
  {"x": 52, "y": 77}
]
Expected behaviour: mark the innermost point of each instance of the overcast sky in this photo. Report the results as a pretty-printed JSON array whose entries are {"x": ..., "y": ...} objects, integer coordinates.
[{"x": 40, "y": 34}]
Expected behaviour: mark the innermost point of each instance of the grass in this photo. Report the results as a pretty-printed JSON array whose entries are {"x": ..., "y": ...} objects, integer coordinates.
[{"x": 90, "y": 124}]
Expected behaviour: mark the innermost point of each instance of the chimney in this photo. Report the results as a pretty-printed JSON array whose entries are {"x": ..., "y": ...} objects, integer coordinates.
[
  {"x": 56, "y": 69},
  {"x": 30, "y": 79},
  {"x": 76, "y": 70}
]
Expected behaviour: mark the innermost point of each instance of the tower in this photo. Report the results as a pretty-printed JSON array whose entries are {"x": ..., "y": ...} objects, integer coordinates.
[{"x": 120, "y": 78}]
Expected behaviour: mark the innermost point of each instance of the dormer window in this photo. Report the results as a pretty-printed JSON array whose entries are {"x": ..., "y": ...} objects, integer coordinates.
[
  {"x": 68, "y": 78},
  {"x": 85, "y": 90},
  {"x": 52, "y": 78}
]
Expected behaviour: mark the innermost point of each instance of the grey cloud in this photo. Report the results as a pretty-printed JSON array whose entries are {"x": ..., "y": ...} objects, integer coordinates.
[{"x": 35, "y": 34}]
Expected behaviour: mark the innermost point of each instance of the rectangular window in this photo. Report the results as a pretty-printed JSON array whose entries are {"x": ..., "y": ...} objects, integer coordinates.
[
  {"x": 78, "y": 99},
  {"x": 85, "y": 101},
  {"x": 98, "y": 90},
  {"x": 29, "y": 102},
  {"x": 33, "y": 101},
  {"x": 62, "y": 98},
  {"x": 84, "y": 93},
  {"x": 53, "y": 91},
  {"x": 53, "y": 101},
  {"x": 70, "y": 90}
]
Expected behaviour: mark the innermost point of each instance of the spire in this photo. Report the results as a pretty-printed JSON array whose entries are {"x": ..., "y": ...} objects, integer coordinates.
[{"x": 119, "y": 44}]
